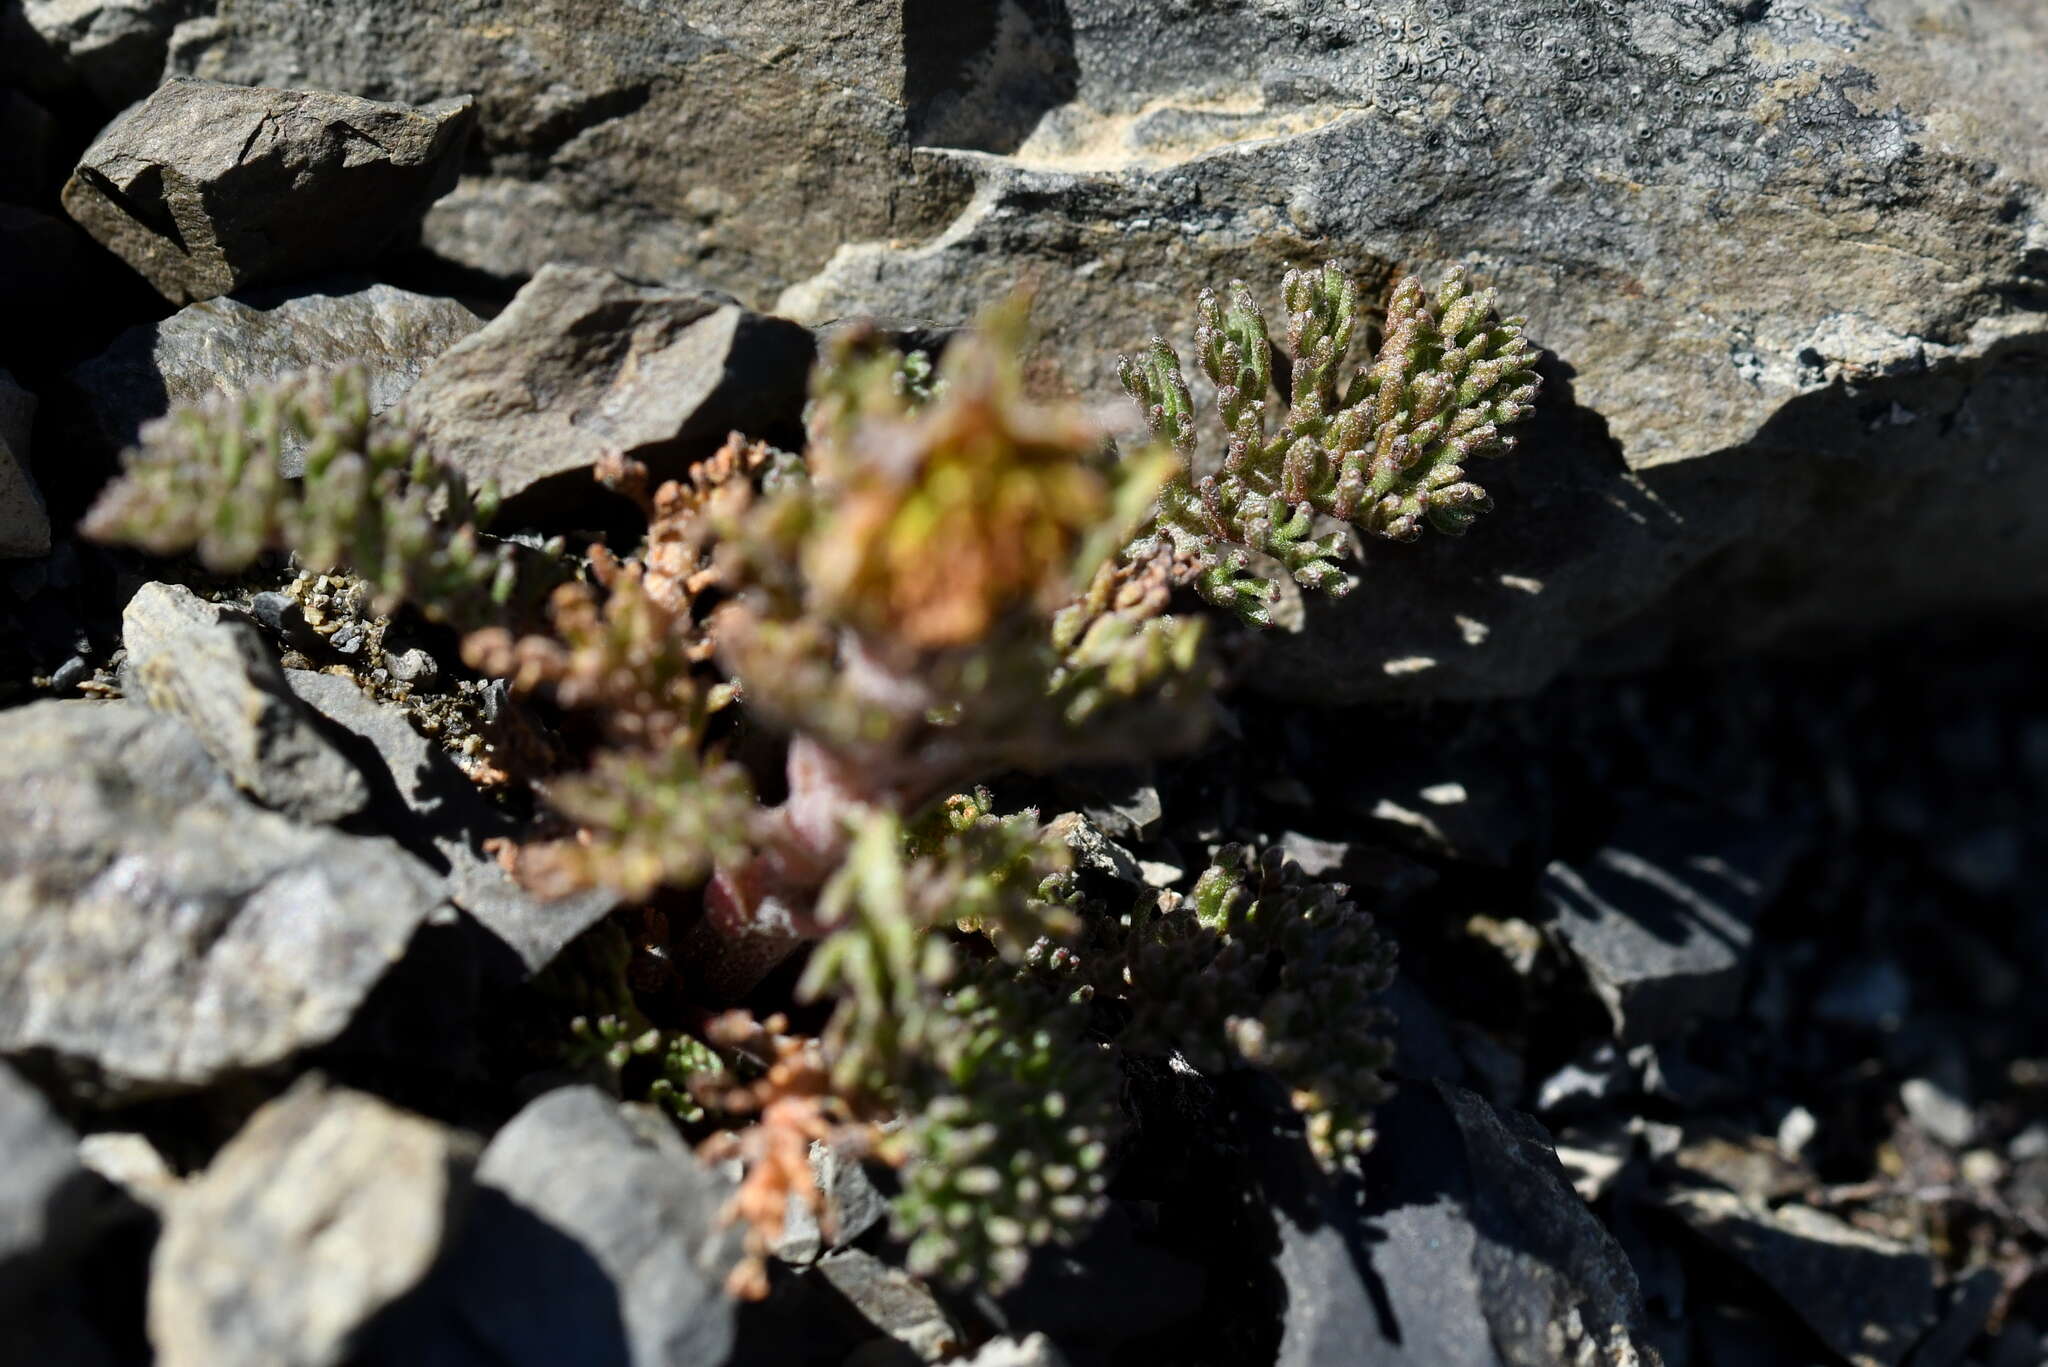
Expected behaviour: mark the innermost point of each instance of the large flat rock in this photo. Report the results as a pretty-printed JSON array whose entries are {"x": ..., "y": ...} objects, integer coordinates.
[
  {"x": 1789, "y": 261},
  {"x": 733, "y": 143}
]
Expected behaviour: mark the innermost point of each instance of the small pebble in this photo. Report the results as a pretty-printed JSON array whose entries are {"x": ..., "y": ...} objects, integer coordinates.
[
  {"x": 1943, "y": 1116},
  {"x": 1796, "y": 1131},
  {"x": 70, "y": 674},
  {"x": 413, "y": 666}
]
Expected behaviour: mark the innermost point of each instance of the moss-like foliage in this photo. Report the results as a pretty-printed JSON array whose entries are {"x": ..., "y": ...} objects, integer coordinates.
[
  {"x": 1263, "y": 967},
  {"x": 208, "y": 479},
  {"x": 1382, "y": 447},
  {"x": 1008, "y": 1145}
]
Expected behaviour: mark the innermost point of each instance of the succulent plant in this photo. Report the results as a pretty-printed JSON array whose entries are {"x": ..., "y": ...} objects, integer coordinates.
[
  {"x": 1383, "y": 449},
  {"x": 209, "y": 479},
  {"x": 955, "y": 580}
]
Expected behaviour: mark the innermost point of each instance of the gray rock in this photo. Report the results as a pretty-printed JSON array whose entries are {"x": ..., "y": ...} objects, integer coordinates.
[
  {"x": 588, "y": 1243},
  {"x": 24, "y": 522},
  {"x": 726, "y": 143},
  {"x": 231, "y": 346},
  {"x": 583, "y": 362},
  {"x": 1660, "y": 919},
  {"x": 189, "y": 659},
  {"x": 325, "y": 1208},
  {"x": 423, "y": 794},
  {"x": 1094, "y": 851},
  {"x": 852, "y": 1207},
  {"x": 115, "y": 48},
  {"x": 1867, "y": 1298},
  {"x": 1472, "y": 1249},
  {"x": 1814, "y": 411},
  {"x": 206, "y": 188},
  {"x": 159, "y": 927},
  {"x": 1939, "y": 1104},
  {"x": 1557, "y": 1283},
  {"x": 894, "y": 1302},
  {"x": 1126, "y": 807}
]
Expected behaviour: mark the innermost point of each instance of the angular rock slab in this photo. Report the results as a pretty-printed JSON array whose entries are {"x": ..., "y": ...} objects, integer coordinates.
[
  {"x": 583, "y": 363},
  {"x": 24, "y": 522},
  {"x": 160, "y": 928},
  {"x": 327, "y": 1206},
  {"x": 1868, "y": 1298},
  {"x": 1471, "y": 1248},
  {"x": 190, "y": 660},
  {"x": 892, "y": 1301},
  {"x": 1660, "y": 918},
  {"x": 422, "y": 793},
  {"x": 853, "y": 1206},
  {"x": 725, "y": 144},
  {"x": 1789, "y": 261},
  {"x": 206, "y": 188},
  {"x": 231, "y": 346},
  {"x": 588, "y": 1242}
]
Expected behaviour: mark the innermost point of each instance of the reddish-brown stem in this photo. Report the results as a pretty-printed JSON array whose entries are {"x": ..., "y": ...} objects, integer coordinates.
[{"x": 758, "y": 911}]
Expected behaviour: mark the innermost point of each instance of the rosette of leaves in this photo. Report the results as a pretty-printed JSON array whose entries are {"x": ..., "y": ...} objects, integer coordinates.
[
  {"x": 899, "y": 606},
  {"x": 208, "y": 479},
  {"x": 1383, "y": 447}
]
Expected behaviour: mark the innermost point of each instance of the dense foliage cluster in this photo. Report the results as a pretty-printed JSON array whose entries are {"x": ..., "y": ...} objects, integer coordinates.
[
  {"x": 786, "y": 694},
  {"x": 209, "y": 479},
  {"x": 1383, "y": 450}
]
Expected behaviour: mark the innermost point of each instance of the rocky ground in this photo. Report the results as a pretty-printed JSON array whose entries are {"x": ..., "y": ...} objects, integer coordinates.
[{"x": 1704, "y": 786}]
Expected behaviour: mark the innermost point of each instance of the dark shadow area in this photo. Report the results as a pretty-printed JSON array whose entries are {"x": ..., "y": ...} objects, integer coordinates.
[
  {"x": 1856, "y": 510},
  {"x": 82, "y": 1297},
  {"x": 515, "y": 1291},
  {"x": 979, "y": 74},
  {"x": 801, "y": 1322},
  {"x": 428, "y": 1035}
]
